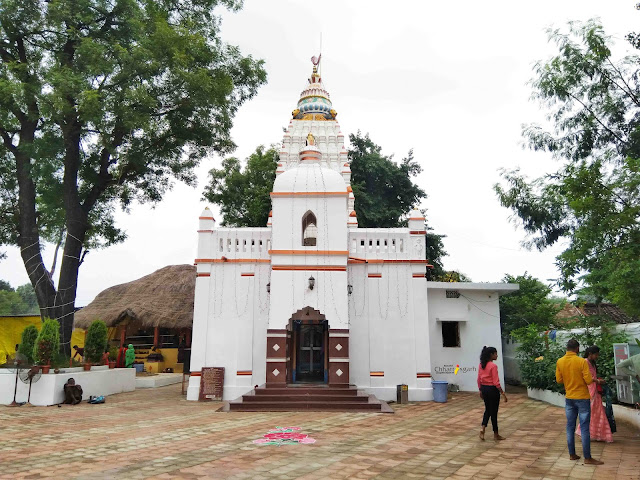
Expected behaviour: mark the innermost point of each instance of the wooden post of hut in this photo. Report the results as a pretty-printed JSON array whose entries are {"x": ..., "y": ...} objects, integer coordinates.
[
  {"x": 123, "y": 335},
  {"x": 156, "y": 336},
  {"x": 188, "y": 339}
]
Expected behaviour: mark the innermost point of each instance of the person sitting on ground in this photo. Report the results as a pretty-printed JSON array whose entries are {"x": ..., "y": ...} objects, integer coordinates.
[
  {"x": 79, "y": 353},
  {"x": 72, "y": 392}
]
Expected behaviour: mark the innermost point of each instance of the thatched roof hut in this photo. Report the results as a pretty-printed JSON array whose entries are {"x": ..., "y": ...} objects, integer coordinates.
[{"x": 162, "y": 299}]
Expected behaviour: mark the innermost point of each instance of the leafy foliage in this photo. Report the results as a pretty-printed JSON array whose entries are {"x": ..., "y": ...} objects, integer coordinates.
[
  {"x": 540, "y": 372},
  {"x": 530, "y": 305},
  {"x": 384, "y": 190},
  {"x": 28, "y": 341},
  {"x": 96, "y": 341},
  {"x": 243, "y": 194},
  {"x": 103, "y": 103},
  {"x": 452, "y": 276},
  {"x": 47, "y": 342},
  {"x": 593, "y": 201},
  {"x": 17, "y": 302}
]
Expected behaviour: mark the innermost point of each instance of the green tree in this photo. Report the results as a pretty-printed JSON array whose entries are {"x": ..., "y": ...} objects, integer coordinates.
[
  {"x": 96, "y": 341},
  {"x": 243, "y": 194},
  {"x": 452, "y": 276},
  {"x": 592, "y": 202},
  {"x": 28, "y": 296},
  {"x": 532, "y": 304},
  {"x": 384, "y": 190},
  {"x": 28, "y": 341},
  {"x": 47, "y": 342},
  {"x": 5, "y": 286},
  {"x": 103, "y": 103}
]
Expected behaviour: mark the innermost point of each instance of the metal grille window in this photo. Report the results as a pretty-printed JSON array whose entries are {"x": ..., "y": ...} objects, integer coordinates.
[{"x": 453, "y": 294}]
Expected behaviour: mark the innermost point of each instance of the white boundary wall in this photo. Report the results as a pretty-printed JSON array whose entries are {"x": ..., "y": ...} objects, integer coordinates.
[{"x": 49, "y": 388}]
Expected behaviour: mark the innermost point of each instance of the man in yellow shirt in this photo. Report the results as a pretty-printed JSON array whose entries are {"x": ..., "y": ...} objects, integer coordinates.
[{"x": 573, "y": 372}]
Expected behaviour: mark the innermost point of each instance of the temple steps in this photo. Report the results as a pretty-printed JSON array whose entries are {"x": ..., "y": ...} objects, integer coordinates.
[{"x": 306, "y": 398}]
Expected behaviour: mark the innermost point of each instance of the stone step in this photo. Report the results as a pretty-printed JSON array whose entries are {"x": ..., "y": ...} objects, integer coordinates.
[
  {"x": 306, "y": 391},
  {"x": 300, "y": 406},
  {"x": 296, "y": 397}
]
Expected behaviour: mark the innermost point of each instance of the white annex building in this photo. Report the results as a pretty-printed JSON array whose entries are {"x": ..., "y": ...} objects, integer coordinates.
[{"x": 311, "y": 297}]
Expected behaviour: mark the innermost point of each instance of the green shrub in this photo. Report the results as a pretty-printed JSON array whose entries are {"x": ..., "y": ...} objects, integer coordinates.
[
  {"x": 28, "y": 341},
  {"x": 47, "y": 342},
  {"x": 537, "y": 354},
  {"x": 96, "y": 341}
]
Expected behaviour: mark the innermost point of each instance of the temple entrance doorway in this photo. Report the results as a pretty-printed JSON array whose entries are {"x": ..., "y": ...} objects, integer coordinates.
[{"x": 308, "y": 340}]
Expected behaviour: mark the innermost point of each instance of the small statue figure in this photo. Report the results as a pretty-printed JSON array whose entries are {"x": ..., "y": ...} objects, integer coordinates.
[
  {"x": 295, "y": 112},
  {"x": 310, "y": 139},
  {"x": 130, "y": 356}
]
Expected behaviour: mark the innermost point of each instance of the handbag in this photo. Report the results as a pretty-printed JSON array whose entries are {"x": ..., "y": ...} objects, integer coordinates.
[{"x": 609, "y": 408}]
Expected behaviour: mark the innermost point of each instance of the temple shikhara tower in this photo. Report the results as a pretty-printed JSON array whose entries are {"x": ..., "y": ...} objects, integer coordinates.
[{"x": 312, "y": 298}]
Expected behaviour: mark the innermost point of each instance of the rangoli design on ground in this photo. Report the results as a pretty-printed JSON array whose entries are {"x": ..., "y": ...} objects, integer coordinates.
[{"x": 284, "y": 436}]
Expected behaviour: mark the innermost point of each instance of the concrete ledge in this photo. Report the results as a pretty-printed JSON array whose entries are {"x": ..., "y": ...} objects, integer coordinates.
[
  {"x": 159, "y": 380},
  {"x": 389, "y": 394},
  {"x": 554, "y": 398},
  {"x": 628, "y": 414},
  {"x": 49, "y": 388}
]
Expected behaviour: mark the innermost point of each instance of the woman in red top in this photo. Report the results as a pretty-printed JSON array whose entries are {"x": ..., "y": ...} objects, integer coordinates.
[{"x": 490, "y": 390}]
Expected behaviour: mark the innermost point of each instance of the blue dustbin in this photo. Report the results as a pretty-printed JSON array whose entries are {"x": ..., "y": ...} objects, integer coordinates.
[
  {"x": 439, "y": 391},
  {"x": 139, "y": 367}
]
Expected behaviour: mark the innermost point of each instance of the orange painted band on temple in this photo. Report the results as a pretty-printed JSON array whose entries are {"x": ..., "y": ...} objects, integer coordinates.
[
  {"x": 196, "y": 374},
  {"x": 244, "y": 372},
  {"x": 309, "y": 194},
  {"x": 375, "y": 275},
  {"x": 424, "y": 375},
  {"x": 416, "y": 218},
  {"x": 232, "y": 260},
  {"x": 418, "y": 275},
  {"x": 247, "y": 274},
  {"x": 319, "y": 268},
  {"x": 376, "y": 374},
  {"x": 418, "y": 232},
  {"x": 206, "y": 218},
  {"x": 204, "y": 275},
  {"x": 308, "y": 252}
]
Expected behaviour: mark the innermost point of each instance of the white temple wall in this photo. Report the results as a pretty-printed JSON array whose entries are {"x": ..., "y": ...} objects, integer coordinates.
[
  {"x": 389, "y": 340},
  {"x": 287, "y": 217},
  {"x": 290, "y": 292},
  {"x": 230, "y": 325},
  {"x": 478, "y": 316}
]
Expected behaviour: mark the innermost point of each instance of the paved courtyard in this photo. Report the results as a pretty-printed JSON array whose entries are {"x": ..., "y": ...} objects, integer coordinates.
[{"x": 156, "y": 433}]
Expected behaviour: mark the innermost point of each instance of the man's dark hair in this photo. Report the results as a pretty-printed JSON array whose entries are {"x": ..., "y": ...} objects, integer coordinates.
[{"x": 573, "y": 344}]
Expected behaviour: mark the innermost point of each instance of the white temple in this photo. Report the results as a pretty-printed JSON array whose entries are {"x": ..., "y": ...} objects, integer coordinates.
[{"x": 313, "y": 298}]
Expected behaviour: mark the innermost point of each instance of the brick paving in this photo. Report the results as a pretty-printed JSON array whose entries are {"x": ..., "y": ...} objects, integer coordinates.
[{"x": 157, "y": 434}]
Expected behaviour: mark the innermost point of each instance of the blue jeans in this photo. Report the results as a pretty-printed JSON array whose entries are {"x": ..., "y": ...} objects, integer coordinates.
[{"x": 575, "y": 409}]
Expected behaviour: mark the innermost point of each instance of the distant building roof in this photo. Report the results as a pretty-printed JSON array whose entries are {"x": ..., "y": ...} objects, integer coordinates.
[{"x": 610, "y": 310}]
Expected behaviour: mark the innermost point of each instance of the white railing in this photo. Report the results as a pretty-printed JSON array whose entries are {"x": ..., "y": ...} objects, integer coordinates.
[
  {"x": 241, "y": 242},
  {"x": 388, "y": 243}
]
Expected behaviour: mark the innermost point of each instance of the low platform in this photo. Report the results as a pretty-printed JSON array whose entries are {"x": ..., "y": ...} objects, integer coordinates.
[
  {"x": 307, "y": 397},
  {"x": 159, "y": 380}
]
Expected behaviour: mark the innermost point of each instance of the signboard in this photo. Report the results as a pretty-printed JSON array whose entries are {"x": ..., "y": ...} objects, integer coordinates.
[{"x": 211, "y": 383}]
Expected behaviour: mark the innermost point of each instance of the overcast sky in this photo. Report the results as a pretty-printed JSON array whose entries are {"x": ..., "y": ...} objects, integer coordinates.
[{"x": 448, "y": 79}]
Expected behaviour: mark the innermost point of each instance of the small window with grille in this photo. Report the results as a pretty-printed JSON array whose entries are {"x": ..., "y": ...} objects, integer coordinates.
[{"x": 453, "y": 294}]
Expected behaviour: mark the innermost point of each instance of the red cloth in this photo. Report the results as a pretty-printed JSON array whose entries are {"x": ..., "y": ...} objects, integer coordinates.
[
  {"x": 488, "y": 375},
  {"x": 599, "y": 428}
]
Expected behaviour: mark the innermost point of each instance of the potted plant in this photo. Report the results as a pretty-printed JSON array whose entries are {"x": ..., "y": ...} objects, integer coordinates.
[
  {"x": 113, "y": 356},
  {"x": 47, "y": 343},
  {"x": 95, "y": 343},
  {"x": 28, "y": 341}
]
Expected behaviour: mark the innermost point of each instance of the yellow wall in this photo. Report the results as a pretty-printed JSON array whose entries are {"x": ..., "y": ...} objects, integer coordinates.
[{"x": 11, "y": 328}]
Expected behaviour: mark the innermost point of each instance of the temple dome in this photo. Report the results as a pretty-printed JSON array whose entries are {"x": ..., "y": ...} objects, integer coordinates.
[
  {"x": 315, "y": 101},
  {"x": 309, "y": 177}
]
